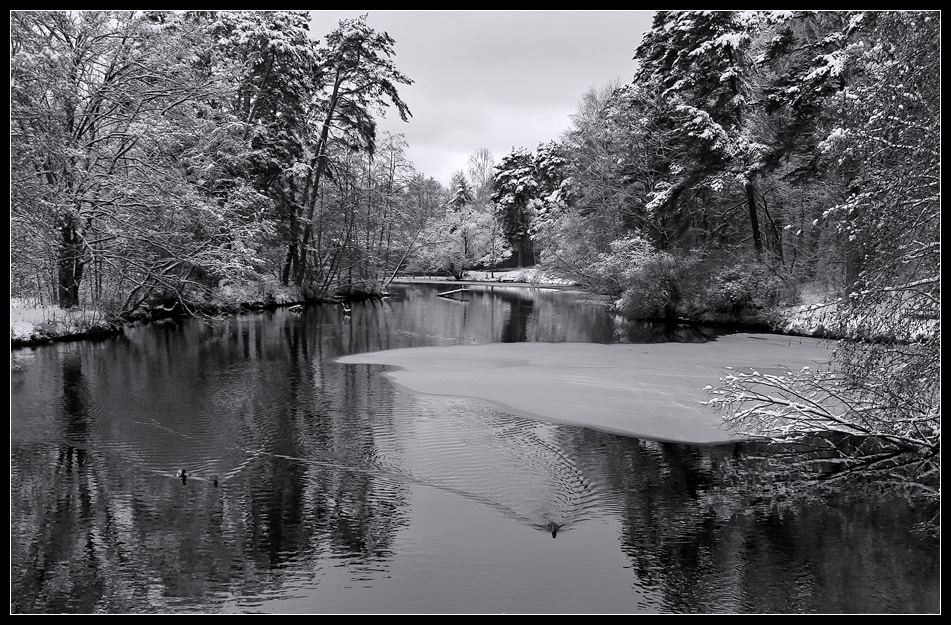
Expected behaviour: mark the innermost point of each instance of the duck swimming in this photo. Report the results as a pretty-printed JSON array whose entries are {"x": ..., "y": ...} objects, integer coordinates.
[
  {"x": 553, "y": 528},
  {"x": 182, "y": 474}
]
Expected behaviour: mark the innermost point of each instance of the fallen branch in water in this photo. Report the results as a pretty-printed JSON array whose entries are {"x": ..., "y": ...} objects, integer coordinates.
[{"x": 447, "y": 293}]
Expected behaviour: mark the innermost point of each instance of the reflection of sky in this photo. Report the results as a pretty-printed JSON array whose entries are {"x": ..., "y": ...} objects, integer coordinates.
[
  {"x": 491, "y": 314},
  {"x": 481, "y": 553},
  {"x": 341, "y": 492}
]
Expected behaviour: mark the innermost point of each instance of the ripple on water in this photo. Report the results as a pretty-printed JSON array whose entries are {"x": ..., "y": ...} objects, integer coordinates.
[{"x": 511, "y": 463}]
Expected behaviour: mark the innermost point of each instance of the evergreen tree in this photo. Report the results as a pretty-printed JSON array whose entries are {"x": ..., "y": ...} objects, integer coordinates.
[
  {"x": 514, "y": 190},
  {"x": 699, "y": 64}
]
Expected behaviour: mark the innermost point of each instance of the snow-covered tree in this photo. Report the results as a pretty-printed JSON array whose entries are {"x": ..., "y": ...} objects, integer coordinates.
[
  {"x": 553, "y": 184},
  {"x": 603, "y": 175},
  {"x": 883, "y": 384},
  {"x": 112, "y": 136},
  {"x": 514, "y": 192},
  {"x": 360, "y": 80},
  {"x": 271, "y": 62},
  {"x": 463, "y": 237},
  {"x": 461, "y": 196},
  {"x": 699, "y": 64},
  {"x": 480, "y": 172}
]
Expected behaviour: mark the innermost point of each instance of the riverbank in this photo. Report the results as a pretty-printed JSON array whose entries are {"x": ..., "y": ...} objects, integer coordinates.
[
  {"x": 528, "y": 276},
  {"x": 32, "y": 324},
  {"x": 37, "y": 324}
]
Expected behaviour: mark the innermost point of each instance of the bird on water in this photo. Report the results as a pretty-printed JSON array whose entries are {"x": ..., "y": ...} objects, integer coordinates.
[{"x": 182, "y": 474}]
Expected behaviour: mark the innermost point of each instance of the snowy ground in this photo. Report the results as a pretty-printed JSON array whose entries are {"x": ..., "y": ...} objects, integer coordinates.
[
  {"x": 30, "y": 320},
  {"x": 822, "y": 319}
]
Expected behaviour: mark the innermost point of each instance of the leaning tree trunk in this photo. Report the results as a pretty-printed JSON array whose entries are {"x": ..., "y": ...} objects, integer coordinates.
[
  {"x": 754, "y": 220},
  {"x": 318, "y": 165},
  {"x": 70, "y": 260}
]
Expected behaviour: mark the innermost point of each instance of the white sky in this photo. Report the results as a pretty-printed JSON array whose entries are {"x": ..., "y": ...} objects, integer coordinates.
[{"x": 496, "y": 79}]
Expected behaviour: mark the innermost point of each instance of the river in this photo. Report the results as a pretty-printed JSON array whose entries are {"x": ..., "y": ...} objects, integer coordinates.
[{"x": 312, "y": 486}]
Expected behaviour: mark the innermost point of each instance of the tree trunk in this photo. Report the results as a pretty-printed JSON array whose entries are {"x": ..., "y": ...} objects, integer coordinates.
[
  {"x": 290, "y": 260},
  {"x": 308, "y": 224},
  {"x": 70, "y": 261},
  {"x": 318, "y": 165},
  {"x": 774, "y": 225},
  {"x": 754, "y": 220}
]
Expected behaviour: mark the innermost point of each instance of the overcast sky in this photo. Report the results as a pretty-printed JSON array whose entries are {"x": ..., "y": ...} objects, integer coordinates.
[{"x": 496, "y": 79}]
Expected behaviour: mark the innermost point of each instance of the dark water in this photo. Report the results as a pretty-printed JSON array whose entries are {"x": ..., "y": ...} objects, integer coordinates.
[{"x": 314, "y": 487}]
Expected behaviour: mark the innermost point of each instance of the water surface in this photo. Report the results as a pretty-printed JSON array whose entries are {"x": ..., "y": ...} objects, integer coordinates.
[{"x": 315, "y": 487}]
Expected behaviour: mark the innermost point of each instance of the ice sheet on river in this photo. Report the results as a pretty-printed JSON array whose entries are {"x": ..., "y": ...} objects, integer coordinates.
[{"x": 647, "y": 390}]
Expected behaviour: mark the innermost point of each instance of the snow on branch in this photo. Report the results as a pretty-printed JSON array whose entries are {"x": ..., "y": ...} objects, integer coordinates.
[{"x": 797, "y": 404}]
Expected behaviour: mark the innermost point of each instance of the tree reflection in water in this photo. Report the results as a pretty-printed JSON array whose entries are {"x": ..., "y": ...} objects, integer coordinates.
[
  {"x": 710, "y": 540},
  {"x": 317, "y": 465}
]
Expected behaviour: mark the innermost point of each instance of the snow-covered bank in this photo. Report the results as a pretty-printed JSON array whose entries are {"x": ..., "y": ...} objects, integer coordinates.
[
  {"x": 33, "y": 324},
  {"x": 528, "y": 275},
  {"x": 825, "y": 320}
]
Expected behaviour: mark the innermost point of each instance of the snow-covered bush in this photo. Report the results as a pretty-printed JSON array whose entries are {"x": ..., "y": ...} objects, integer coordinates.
[
  {"x": 659, "y": 286},
  {"x": 742, "y": 289}
]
